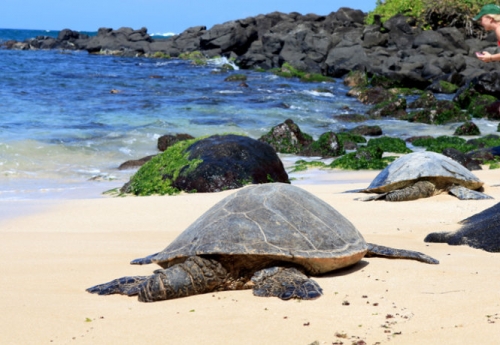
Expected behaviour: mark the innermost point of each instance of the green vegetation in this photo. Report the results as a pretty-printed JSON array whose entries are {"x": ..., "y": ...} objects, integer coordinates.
[
  {"x": 236, "y": 77},
  {"x": 434, "y": 13},
  {"x": 365, "y": 158},
  {"x": 157, "y": 175},
  {"x": 160, "y": 55},
  {"x": 448, "y": 87},
  {"x": 440, "y": 143},
  {"x": 288, "y": 71},
  {"x": 477, "y": 106},
  {"x": 302, "y": 165},
  {"x": 326, "y": 145},
  {"x": 196, "y": 57},
  {"x": 350, "y": 137},
  {"x": 388, "y": 144},
  {"x": 389, "y": 8}
]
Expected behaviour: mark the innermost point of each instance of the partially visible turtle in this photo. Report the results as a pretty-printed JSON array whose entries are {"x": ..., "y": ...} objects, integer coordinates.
[
  {"x": 481, "y": 231},
  {"x": 422, "y": 175},
  {"x": 266, "y": 237}
]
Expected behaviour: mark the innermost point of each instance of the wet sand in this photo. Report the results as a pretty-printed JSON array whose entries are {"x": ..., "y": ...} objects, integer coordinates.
[{"x": 49, "y": 257}]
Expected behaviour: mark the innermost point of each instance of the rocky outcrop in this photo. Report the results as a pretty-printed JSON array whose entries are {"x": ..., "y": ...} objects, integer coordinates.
[{"x": 333, "y": 45}]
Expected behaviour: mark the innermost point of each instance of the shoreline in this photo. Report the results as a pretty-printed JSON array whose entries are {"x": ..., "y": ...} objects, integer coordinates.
[{"x": 52, "y": 256}]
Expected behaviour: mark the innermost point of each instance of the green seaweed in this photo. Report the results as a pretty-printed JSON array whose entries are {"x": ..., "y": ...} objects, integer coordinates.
[
  {"x": 388, "y": 144},
  {"x": 440, "y": 143},
  {"x": 302, "y": 165},
  {"x": 157, "y": 175},
  {"x": 365, "y": 158},
  {"x": 288, "y": 71}
]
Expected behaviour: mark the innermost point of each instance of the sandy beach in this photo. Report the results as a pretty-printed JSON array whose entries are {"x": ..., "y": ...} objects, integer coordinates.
[{"x": 50, "y": 256}]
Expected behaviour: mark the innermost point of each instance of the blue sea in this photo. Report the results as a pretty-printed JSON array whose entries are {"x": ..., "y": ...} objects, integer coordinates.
[{"x": 63, "y": 133}]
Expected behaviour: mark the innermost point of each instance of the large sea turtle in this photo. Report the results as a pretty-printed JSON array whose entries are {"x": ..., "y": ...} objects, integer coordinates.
[
  {"x": 266, "y": 237},
  {"x": 421, "y": 175},
  {"x": 481, "y": 231}
]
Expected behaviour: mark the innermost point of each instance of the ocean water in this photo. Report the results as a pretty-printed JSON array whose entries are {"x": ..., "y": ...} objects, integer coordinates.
[{"x": 63, "y": 133}]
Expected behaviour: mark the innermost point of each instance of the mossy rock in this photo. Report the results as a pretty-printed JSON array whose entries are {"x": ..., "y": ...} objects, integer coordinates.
[
  {"x": 442, "y": 142},
  {"x": 356, "y": 78},
  {"x": 442, "y": 86},
  {"x": 444, "y": 112},
  {"x": 327, "y": 145},
  {"x": 365, "y": 158},
  {"x": 491, "y": 140},
  {"x": 302, "y": 165},
  {"x": 395, "y": 107},
  {"x": 158, "y": 174},
  {"x": 388, "y": 144},
  {"x": 160, "y": 55},
  {"x": 468, "y": 128},
  {"x": 346, "y": 137},
  {"x": 287, "y": 138},
  {"x": 498, "y": 128},
  {"x": 288, "y": 71},
  {"x": 208, "y": 164},
  {"x": 196, "y": 57},
  {"x": 236, "y": 77},
  {"x": 478, "y": 105}
]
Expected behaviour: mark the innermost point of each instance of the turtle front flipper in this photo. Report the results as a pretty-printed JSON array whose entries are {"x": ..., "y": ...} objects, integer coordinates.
[
  {"x": 129, "y": 286},
  {"x": 420, "y": 189},
  {"x": 285, "y": 283},
  {"x": 194, "y": 276},
  {"x": 387, "y": 252},
  {"x": 467, "y": 194}
]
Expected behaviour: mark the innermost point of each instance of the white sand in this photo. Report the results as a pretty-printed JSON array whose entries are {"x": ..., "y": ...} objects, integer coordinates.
[{"x": 48, "y": 258}]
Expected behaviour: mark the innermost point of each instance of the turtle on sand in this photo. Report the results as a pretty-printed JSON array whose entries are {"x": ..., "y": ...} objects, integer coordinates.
[
  {"x": 481, "y": 231},
  {"x": 422, "y": 175},
  {"x": 267, "y": 237}
]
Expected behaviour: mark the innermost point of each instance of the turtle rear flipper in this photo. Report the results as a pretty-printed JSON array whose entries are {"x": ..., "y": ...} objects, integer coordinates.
[
  {"x": 467, "y": 194},
  {"x": 387, "y": 252},
  {"x": 285, "y": 283}
]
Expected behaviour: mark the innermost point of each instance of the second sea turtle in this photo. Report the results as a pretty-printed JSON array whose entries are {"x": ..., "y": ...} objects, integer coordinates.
[{"x": 422, "y": 175}]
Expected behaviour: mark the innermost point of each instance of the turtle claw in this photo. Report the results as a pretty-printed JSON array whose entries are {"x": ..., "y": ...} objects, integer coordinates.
[
  {"x": 285, "y": 283},
  {"x": 129, "y": 286}
]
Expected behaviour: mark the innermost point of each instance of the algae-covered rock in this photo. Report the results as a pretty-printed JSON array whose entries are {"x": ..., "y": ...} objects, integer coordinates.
[
  {"x": 287, "y": 138},
  {"x": 388, "y": 144},
  {"x": 442, "y": 86},
  {"x": 210, "y": 164},
  {"x": 167, "y": 140},
  {"x": 350, "y": 140},
  {"x": 327, "y": 145},
  {"x": 371, "y": 131},
  {"x": 364, "y": 158},
  {"x": 478, "y": 106},
  {"x": 395, "y": 107},
  {"x": 442, "y": 113},
  {"x": 442, "y": 142},
  {"x": 236, "y": 77},
  {"x": 468, "y": 128}
]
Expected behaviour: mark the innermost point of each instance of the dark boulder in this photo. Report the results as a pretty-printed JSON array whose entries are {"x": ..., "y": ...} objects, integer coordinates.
[
  {"x": 462, "y": 158},
  {"x": 229, "y": 162},
  {"x": 167, "y": 140},
  {"x": 467, "y": 128},
  {"x": 135, "y": 163},
  {"x": 287, "y": 138}
]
